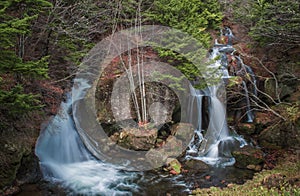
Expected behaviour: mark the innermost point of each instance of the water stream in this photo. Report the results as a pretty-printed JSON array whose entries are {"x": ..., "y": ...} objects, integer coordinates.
[
  {"x": 214, "y": 145},
  {"x": 65, "y": 160}
]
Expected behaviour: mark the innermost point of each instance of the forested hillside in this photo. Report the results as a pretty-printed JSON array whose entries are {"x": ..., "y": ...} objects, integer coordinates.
[{"x": 43, "y": 42}]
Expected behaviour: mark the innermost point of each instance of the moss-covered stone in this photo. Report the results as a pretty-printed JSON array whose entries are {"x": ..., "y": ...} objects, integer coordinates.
[
  {"x": 248, "y": 158},
  {"x": 246, "y": 128},
  {"x": 12, "y": 155},
  {"x": 281, "y": 135},
  {"x": 195, "y": 165},
  {"x": 174, "y": 166}
]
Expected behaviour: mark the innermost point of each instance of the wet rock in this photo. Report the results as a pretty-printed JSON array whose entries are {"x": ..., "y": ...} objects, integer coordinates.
[
  {"x": 173, "y": 147},
  {"x": 195, "y": 165},
  {"x": 156, "y": 157},
  {"x": 183, "y": 131},
  {"x": 136, "y": 139},
  {"x": 248, "y": 158},
  {"x": 225, "y": 147}
]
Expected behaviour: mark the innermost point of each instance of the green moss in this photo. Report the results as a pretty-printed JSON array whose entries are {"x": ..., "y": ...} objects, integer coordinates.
[{"x": 287, "y": 172}]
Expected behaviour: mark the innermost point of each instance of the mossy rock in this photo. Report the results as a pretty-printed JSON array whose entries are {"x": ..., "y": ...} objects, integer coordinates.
[
  {"x": 10, "y": 163},
  {"x": 195, "y": 166},
  {"x": 248, "y": 158},
  {"x": 281, "y": 135},
  {"x": 284, "y": 90},
  {"x": 246, "y": 128},
  {"x": 174, "y": 166}
]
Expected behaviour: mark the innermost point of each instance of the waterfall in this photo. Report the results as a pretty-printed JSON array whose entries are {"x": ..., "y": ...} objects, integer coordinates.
[
  {"x": 195, "y": 117},
  {"x": 215, "y": 144},
  {"x": 247, "y": 70},
  {"x": 250, "y": 115},
  {"x": 65, "y": 160},
  {"x": 54, "y": 147}
]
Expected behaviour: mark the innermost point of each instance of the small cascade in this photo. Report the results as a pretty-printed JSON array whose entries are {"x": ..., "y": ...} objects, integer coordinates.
[
  {"x": 245, "y": 69},
  {"x": 250, "y": 116},
  {"x": 214, "y": 145},
  {"x": 195, "y": 117},
  {"x": 57, "y": 133}
]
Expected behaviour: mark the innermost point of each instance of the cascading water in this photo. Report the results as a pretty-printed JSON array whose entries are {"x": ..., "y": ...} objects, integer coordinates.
[
  {"x": 248, "y": 70},
  {"x": 195, "y": 100},
  {"x": 250, "y": 115},
  {"x": 64, "y": 159},
  {"x": 215, "y": 145}
]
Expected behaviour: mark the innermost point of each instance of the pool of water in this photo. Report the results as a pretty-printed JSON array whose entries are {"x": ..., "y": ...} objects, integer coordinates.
[{"x": 95, "y": 178}]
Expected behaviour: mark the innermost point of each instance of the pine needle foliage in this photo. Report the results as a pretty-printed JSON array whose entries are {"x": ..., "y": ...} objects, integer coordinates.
[{"x": 16, "y": 18}]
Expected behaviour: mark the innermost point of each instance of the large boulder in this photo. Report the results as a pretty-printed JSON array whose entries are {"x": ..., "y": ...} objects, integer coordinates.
[
  {"x": 156, "y": 157},
  {"x": 12, "y": 156},
  {"x": 248, "y": 158},
  {"x": 183, "y": 131},
  {"x": 194, "y": 166},
  {"x": 172, "y": 148},
  {"x": 113, "y": 95},
  {"x": 281, "y": 135},
  {"x": 136, "y": 138}
]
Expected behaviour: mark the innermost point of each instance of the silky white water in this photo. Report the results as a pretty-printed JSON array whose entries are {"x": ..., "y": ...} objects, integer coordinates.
[
  {"x": 214, "y": 145},
  {"x": 64, "y": 159}
]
